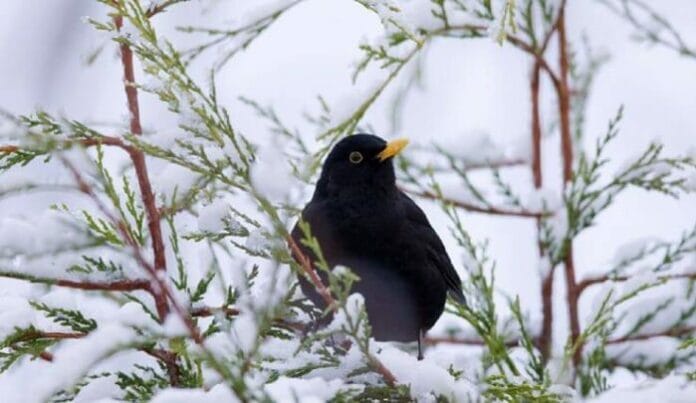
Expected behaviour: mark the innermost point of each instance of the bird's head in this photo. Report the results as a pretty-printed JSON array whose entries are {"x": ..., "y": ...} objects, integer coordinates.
[{"x": 362, "y": 162}]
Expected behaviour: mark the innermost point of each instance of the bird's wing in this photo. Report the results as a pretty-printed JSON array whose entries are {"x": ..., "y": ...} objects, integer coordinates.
[{"x": 436, "y": 250}]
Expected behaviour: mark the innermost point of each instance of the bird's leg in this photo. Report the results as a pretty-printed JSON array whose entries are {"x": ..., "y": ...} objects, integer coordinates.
[{"x": 420, "y": 344}]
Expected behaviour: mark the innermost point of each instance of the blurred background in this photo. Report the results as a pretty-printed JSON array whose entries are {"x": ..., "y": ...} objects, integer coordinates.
[{"x": 467, "y": 87}]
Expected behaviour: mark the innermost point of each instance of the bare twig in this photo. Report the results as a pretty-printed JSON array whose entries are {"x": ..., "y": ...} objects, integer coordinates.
[
  {"x": 674, "y": 332},
  {"x": 564, "y": 96},
  {"x": 117, "y": 285},
  {"x": 479, "y": 209},
  {"x": 547, "y": 282},
  {"x": 170, "y": 360},
  {"x": 311, "y": 273},
  {"x": 584, "y": 284}
]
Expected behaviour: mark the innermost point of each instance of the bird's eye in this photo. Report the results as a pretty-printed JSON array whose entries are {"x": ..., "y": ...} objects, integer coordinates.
[{"x": 355, "y": 157}]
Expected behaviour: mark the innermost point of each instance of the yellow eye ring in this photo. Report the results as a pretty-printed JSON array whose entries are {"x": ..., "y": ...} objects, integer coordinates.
[{"x": 355, "y": 157}]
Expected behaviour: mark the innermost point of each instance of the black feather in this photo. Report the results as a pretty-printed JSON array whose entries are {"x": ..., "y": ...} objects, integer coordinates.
[{"x": 363, "y": 221}]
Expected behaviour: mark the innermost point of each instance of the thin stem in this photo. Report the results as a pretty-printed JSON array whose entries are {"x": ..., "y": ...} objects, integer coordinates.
[
  {"x": 563, "y": 94},
  {"x": 674, "y": 332},
  {"x": 311, "y": 273},
  {"x": 479, "y": 209},
  {"x": 118, "y": 285},
  {"x": 140, "y": 166},
  {"x": 584, "y": 284}
]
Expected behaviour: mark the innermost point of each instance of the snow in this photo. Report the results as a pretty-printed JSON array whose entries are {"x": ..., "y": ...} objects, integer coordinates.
[
  {"x": 650, "y": 352},
  {"x": 257, "y": 241},
  {"x": 671, "y": 389},
  {"x": 263, "y": 9},
  {"x": 37, "y": 233},
  {"x": 98, "y": 389},
  {"x": 354, "y": 304},
  {"x": 174, "y": 326},
  {"x": 217, "y": 394},
  {"x": 544, "y": 199},
  {"x": 15, "y": 312},
  {"x": 211, "y": 218},
  {"x": 343, "y": 107},
  {"x": 690, "y": 183},
  {"x": 245, "y": 331},
  {"x": 36, "y": 381},
  {"x": 558, "y": 224},
  {"x": 475, "y": 148},
  {"x": 298, "y": 390},
  {"x": 133, "y": 314},
  {"x": 271, "y": 176},
  {"x": 425, "y": 378},
  {"x": 174, "y": 178},
  {"x": 630, "y": 250}
]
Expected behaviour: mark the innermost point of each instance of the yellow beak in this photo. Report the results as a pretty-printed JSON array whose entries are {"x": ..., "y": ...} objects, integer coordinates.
[{"x": 393, "y": 148}]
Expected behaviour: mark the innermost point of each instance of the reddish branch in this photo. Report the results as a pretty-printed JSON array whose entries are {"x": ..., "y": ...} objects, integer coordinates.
[
  {"x": 140, "y": 167},
  {"x": 479, "y": 209},
  {"x": 86, "y": 142},
  {"x": 582, "y": 285},
  {"x": 207, "y": 311},
  {"x": 309, "y": 271},
  {"x": 546, "y": 282},
  {"x": 8, "y": 149},
  {"x": 564, "y": 101},
  {"x": 563, "y": 94},
  {"x": 545, "y": 336},
  {"x": 674, "y": 332},
  {"x": 170, "y": 360},
  {"x": 120, "y": 285}
]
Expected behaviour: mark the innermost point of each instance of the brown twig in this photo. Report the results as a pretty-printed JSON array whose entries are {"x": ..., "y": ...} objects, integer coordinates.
[
  {"x": 87, "y": 142},
  {"x": 207, "y": 311},
  {"x": 434, "y": 340},
  {"x": 479, "y": 209},
  {"x": 546, "y": 282},
  {"x": 120, "y": 285},
  {"x": 138, "y": 159},
  {"x": 674, "y": 332},
  {"x": 309, "y": 271},
  {"x": 386, "y": 374},
  {"x": 117, "y": 285},
  {"x": 8, "y": 149},
  {"x": 563, "y": 95},
  {"x": 170, "y": 360},
  {"x": 584, "y": 284}
]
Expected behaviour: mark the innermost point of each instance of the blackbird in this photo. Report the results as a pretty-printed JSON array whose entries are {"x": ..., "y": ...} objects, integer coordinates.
[{"x": 364, "y": 222}]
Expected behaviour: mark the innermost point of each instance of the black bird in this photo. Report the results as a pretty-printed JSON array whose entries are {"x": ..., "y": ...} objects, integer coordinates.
[{"x": 364, "y": 222}]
